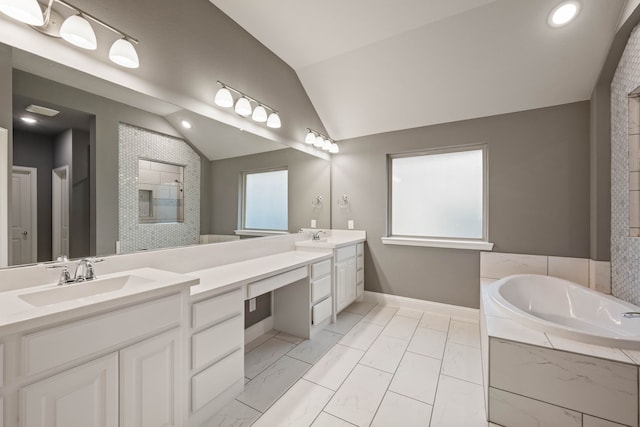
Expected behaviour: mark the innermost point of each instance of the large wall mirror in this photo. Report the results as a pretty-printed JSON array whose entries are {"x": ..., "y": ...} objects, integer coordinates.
[{"x": 67, "y": 194}]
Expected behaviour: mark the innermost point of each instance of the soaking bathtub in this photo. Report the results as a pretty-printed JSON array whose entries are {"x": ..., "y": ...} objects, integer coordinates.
[
  {"x": 555, "y": 353},
  {"x": 550, "y": 304}
]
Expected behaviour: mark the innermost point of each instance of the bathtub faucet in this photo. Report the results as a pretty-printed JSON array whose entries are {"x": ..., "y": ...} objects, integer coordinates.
[{"x": 631, "y": 314}]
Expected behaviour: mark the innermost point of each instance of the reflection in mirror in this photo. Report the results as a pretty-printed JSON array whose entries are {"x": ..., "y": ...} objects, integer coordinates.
[
  {"x": 160, "y": 192},
  {"x": 87, "y": 182},
  {"x": 50, "y": 181},
  {"x": 634, "y": 163}
]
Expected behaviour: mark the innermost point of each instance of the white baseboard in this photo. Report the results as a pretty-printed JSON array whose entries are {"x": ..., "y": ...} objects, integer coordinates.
[
  {"x": 465, "y": 313},
  {"x": 259, "y": 329}
]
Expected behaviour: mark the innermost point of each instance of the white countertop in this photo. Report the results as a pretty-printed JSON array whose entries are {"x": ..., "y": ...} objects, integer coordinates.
[
  {"x": 333, "y": 239},
  {"x": 244, "y": 272},
  {"x": 16, "y": 313}
]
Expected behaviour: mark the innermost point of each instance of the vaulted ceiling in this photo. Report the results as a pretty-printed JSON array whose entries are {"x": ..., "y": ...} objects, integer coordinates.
[{"x": 378, "y": 66}]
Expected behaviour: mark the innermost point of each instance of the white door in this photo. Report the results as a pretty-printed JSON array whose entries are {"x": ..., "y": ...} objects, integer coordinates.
[
  {"x": 86, "y": 396},
  {"x": 151, "y": 379},
  {"x": 60, "y": 211},
  {"x": 24, "y": 213}
]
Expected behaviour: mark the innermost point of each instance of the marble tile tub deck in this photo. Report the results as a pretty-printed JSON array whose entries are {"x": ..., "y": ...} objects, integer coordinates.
[{"x": 377, "y": 366}]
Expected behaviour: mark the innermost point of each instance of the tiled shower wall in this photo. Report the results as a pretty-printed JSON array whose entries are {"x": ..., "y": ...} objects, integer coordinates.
[
  {"x": 625, "y": 250},
  {"x": 136, "y": 143}
]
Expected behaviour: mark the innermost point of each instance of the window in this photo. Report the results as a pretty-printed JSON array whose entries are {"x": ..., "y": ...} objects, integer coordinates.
[
  {"x": 265, "y": 200},
  {"x": 438, "y": 198}
]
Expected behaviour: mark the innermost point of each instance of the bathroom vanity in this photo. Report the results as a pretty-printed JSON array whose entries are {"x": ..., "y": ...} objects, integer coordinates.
[{"x": 158, "y": 345}]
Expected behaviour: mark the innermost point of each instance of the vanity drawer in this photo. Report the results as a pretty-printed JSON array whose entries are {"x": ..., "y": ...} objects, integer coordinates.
[
  {"x": 215, "y": 342},
  {"x": 269, "y": 284},
  {"x": 320, "y": 288},
  {"x": 359, "y": 262},
  {"x": 208, "y": 384},
  {"x": 360, "y": 248},
  {"x": 345, "y": 253},
  {"x": 53, "y": 347},
  {"x": 217, "y": 308},
  {"x": 321, "y": 311},
  {"x": 320, "y": 269},
  {"x": 359, "y": 276}
]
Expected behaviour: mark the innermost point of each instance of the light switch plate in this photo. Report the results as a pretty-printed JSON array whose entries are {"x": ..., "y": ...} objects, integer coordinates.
[
  {"x": 313, "y": 223},
  {"x": 350, "y": 224},
  {"x": 252, "y": 304}
]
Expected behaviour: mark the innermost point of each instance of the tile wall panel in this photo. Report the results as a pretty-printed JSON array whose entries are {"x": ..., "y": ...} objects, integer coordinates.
[{"x": 136, "y": 143}]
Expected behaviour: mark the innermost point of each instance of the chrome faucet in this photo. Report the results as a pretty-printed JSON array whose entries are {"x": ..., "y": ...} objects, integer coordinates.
[
  {"x": 316, "y": 235},
  {"x": 84, "y": 270}
]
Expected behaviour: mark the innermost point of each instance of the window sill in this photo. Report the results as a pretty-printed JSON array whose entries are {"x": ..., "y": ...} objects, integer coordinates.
[
  {"x": 435, "y": 243},
  {"x": 257, "y": 233}
]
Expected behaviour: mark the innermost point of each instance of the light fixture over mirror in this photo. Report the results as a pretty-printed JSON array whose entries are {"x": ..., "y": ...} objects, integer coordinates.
[
  {"x": 321, "y": 141},
  {"x": 76, "y": 28},
  {"x": 27, "y": 11},
  {"x": 243, "y": 107}
]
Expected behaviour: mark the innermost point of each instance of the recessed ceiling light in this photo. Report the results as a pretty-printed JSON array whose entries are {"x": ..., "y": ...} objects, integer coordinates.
[
  {"x": 564, "y": 13},
  {"x": 186, "y": 124},
  {"x": 29, "y": 120}
]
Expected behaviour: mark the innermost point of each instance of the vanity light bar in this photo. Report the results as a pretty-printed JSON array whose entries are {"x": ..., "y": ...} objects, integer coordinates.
[
  {"x": 321, "y": 141},
  {"x": 243, "y": 106}
]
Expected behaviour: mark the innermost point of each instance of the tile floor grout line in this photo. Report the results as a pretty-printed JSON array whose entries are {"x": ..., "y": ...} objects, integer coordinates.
[{"x": 435, "y": 394}]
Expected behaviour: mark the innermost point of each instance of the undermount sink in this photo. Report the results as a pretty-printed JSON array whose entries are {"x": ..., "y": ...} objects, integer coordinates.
[
  {"x": 323, "y": 240},
  {"x": 58, "y": 294}
]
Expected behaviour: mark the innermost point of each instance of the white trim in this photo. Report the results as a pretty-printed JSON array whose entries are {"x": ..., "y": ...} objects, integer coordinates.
[
  {"x": 435, "y": 243},
  {"x": 4, "y": 195},
  {"x": 257, "y": 330},
  {"x": 464, "y": 313},
  {"x": 57, "y": 210},
  {"x": 259, "y": 232}
]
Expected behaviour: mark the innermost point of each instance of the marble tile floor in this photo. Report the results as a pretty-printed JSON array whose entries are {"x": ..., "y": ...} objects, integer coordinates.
[{"x": 376, "y": 366}]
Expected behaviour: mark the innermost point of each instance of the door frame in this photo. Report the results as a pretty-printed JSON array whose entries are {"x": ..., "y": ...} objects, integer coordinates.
[
  {"x": 33, "y": 179},
  {"x": 56, "y": 199},
  {"x": 5, "y": 197}
]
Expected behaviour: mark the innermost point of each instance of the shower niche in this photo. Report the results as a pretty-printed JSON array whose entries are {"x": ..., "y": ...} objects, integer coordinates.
[{"x": 160, "y": 192}]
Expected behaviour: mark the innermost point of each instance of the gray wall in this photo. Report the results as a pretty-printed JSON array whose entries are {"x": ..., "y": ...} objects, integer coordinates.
[
  {"x": 309, "y": 176},
  {"x": 80, "y": 212},
  {"x": 103, "y": 150},
  {"x": 538, "y": 197},
  {"x": 36, "y": 151}
]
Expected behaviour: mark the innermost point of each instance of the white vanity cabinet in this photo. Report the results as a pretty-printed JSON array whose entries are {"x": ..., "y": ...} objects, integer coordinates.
[
  {"x": 84, "y": 396},
  {"x": 216, "y": 351},
  {"x": 359, "y": 270},
  {"x": 119, "y": 368},
  {"x": 346, "y": 275}
]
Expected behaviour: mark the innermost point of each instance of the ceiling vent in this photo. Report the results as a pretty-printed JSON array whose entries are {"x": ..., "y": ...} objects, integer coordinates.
[{"x": 38, "y": 109}]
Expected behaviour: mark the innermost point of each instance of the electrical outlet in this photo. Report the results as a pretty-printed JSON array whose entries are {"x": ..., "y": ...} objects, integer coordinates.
[
  {"x": 313, "y": 223},
  {"x": 252, "y": 304},
  {"x": 350, "y": 224}
]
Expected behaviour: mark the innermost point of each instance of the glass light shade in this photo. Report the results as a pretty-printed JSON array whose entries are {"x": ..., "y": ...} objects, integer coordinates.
[
  {"x": 77, "y": 31},
  {"x": 274, "y": 121},
  {"x": 185, "y": 124},
  {"x": 564, "y": 13},
  {"x": 310, "y": 138},
  {"x": 259, "y": 114},
  {"x": 326, "y": 145},
  {"x": 27, "y": 11},
  {"x": 334, "y": 148},
  {"x": 243, "y": 107},
  {"x": 224, "y": 98},
  {"x": 124, "y": 54},
  {"x": 319, "y": 141}
]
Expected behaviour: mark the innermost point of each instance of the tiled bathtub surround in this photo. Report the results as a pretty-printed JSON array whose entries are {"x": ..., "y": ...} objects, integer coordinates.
[
  {"x": 135, "y": 144},
  {"x": 537, "y": 378},
  {"x": 586, "y": 272},
  {"x": 625, "y": 144}
]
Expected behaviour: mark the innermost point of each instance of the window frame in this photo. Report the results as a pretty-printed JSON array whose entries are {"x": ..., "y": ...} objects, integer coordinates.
[
  {"x": 243, "y": 205},
  {"x": 481, "y": 243}
]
